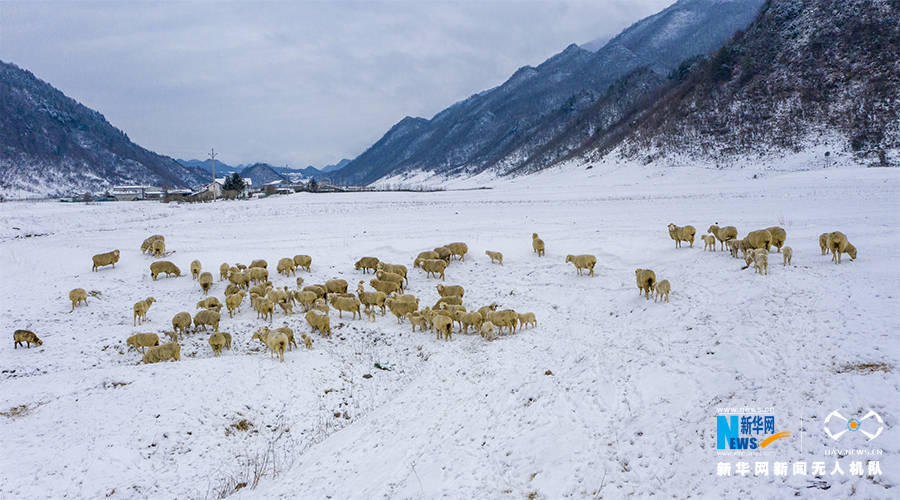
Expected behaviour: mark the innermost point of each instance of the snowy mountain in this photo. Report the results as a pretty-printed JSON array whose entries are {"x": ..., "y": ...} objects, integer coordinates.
[
  {"x": 261, "y": 173},
  {"x": 221, "y": 168},
  {"x": 51, "y": 145},
  {"x": 502, "y": 127},
  {"x": 335, "y": 166}
]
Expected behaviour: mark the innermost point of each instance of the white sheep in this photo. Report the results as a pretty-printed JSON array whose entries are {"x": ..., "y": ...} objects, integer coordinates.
[
  {"x": 366, "y": 264},
  {"x": 709, "y": 242},
  {"x": 527, "y": 319},
  {"x": 679, "y": 234},
  {"x": 303, "y": 261},
  {"x": 646, "y": 280},
  {"x": 495, "y": 256},
  {"x": 662, "y": 290},
  {"x": 787, "y": 253},
  {"x": 487, "y": 330},
  {"x": 77, "y": 296},
  {"x": 140, "y": 310},
  {"x": 838, "y": 244},
  {"x": 206, "y": 280},
  {"x": 195, "y": 269},
  {"x": 582, "y": 262},
  {"x": 723, "y": 234},
  {"x": 450, "y": 290},
  {"x": 286, "y": 266},
  {"x": 434, "y": 267}
]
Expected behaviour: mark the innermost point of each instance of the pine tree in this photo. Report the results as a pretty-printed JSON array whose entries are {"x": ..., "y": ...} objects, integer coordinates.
[{"x": 234, "y": 183}]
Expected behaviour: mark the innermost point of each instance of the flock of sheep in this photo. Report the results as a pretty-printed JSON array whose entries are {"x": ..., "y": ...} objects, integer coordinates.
[{"x": 388, "y": 291}]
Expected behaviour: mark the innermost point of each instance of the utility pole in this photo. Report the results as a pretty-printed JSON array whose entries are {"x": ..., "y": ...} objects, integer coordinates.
[{"x": 212, "y": 156}]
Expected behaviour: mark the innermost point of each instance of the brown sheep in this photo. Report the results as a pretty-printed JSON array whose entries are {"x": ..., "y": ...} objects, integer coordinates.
[
  {"x": 195, "y": 269},
  {"x": 393, "y": 268},
  {"x": 366, "y": 263},
  {"x": 434, "y": 267},
  {"x": 259, "y": 263},
  {"x": 233, "y": 301},
  {"x": 779, "y": 235},
  {"x": 145, "y": 246},
  {"x": 181, "y": 322},
  {"x": 495, "y": 256},
  {"x": 838, "y": 244},
  {"x": 723, "y": 234},
  {"x": 140, "y": 310},
  {"x": 679, "y": 234},
  {"x": 450, "y": 290},
  {"x": 105, "y": 259},
  {"x": 206, "y": 281},
  {"x": 761, "y": 238},
  {"x": 26, "y": 336},
  {"x": 319, "y": 321},
  {"x": 224, "y": 271},
  {"x": 163, "y": 266},
  {"x": 662, "y": 290},
  {"x": 345, "y": 303},
  {"x": 286, "y": 266},
  {"x": 444, "y": 253},
  {"x": 206, "y": 318},
  {"x": 423, "y": 256},
  {"x": 77, "y": 296},
  {"x": 335, "y": 286},
  {"x": 303, "y": 261},
  {"x": 646, "y": 280},
  {"x": 505, "y": 318},
  {"x": 458, "y": 249},
  {"x": 210, "y": 303},
  {"x": 162, "y": 353},
  {"x": 582, "y": 262},
  {"x": 443, "y": 326},
  {"x": 389, "y": 276},
  {"x": 142, "y": 341},
  {"x": 537, "y": 245},
  {"x": 823, "y": 243},
  {"x": 386, "y": 287},
  {"x": 371, "y": 299}
]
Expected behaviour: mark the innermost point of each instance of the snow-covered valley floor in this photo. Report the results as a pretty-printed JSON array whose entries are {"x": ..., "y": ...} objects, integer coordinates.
[{"x": 609, "y": 396}]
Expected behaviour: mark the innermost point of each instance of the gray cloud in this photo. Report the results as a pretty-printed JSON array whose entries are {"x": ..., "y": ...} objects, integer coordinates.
[{"x": 288, "y": 82}]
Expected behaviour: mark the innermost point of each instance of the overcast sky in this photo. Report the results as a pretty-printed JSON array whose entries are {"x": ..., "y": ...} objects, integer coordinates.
[{"x": 292, "y": 83}]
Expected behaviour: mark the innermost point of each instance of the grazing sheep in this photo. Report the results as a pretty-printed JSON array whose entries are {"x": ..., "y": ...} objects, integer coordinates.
[
  {"x": 400, "y": 306},
  {"x": 537, "y": 245},
  {"x": 371, "y": 299},
  {"x": 289, "y": 333},
  {"x": 473, "y": 319},
  {"x": 321, "y": 306},
  {"x": 181, "y": 322},
  {"x": 303, "y": 261},
  {"x": 450, "y": 290},
  {"x": 423, "y": 256},
  {"x": 195, "y": 269},
  {"x": 346, "y": 303},
  {"x": 389, "y": 276},
  {"x": 210, "y": 303},
  {"x": 319, "y": 290},
  {"x": 259, "y": 263},
  {"x": 233, "y": 301},
  {"x": 709, "y": 242},
  {"x": 505, "y": 318},
  {"x": 787, "y": 253},
  {"x": 206, "y": 281},
  {"x": 26, "y": 336},
  {"x": 487, "y": 330},
  {"x": 77, "y": 296},
  {"x": 162, "y": 353},
  {"x": 761, "y": 238},
  {"x": 224, "y": 271},
  {"x": 217, "y": 342},
  {"x": 838, "y": 244},
  {"x": 662, "y": 290},
  {"x": 142, "y": 340},
  {"x": 305, "y": 298},
  {"x": 485, "y": 310},
  {"x": 261, "y": 333},
  {"x": 261, "y": 289},
  {"x": 723, "y": 234},
  {"x": 163, "y": 266},
  {"x": 105, "y": 259},
  {"x": 495, "y": 256},
  {"x": 173, "y": 336},
  {"x": 319, "y": 321},
  {"x": 206, "y": 318},
  {"x": 386, "y": 287},
  {"x": 366, "y": 263},
  {"x": 140, "y": 310},
  {"x": 443, "y": 325},
  {"x": 158, "y": 248},
  {"x": 307, "y": 340},
  {"x": 265, "y": 309},
  {"x": 679, "y": 234},
  {"x": 335, "y": 286},
  {"x": 458, "y": 249},
  {"x": 444, "y": 253},
  {"x": 452, "y": 300},
  {"x": 823, "y": 243},
  {"x": 145, "y": 246},
  {"x": 232, "y": 289},
  {"x": 240, "y": 279},
  {"x": 258, "y": 274},
  {"x": 434, "y": 267},
  {"x": 582, "y": 262},
  {"x": 277, "y": 342},
  {"x": 286, "y": 266},
  {"x": 527, "y": 319},
  {"x": 761, "y": 262},
  {"x": 778, "y": 236},
  {"x": 393, "y": 268},
  {"x": 646, "y": 280}
]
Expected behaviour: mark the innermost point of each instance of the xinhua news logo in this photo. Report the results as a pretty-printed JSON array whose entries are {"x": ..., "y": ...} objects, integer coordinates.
[{"x": 746, "y": 432}]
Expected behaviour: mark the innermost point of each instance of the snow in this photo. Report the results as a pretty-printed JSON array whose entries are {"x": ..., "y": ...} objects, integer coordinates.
[{"x": 629, "y": 408}]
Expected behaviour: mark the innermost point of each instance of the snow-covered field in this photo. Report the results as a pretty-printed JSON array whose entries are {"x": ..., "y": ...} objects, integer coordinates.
[{"x": 609, "y": 396}]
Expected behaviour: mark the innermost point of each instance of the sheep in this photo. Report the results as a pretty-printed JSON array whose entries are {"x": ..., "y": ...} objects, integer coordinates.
[
  {"x": 366, "y": 263},
  {"x": 738, "y": 246},
  {"x": 140, "y": 310},
  {"x": 181, "y": 322},
  {"x": 163, "y": 266},
  {"x": 261, "y": 263},
  {"x": 778, "y": 236},
  {"x": 321, "y": 306},
  {"x": 389, "y": 276},
  {"x": 319, "y": 321},
  {"x": 505, "y": 318},
  {"x": 265, "y": 308},
  {"x": 537, "y": 245},
  {"x": 289, "y": 333},
  {"x": 233, "y": 301},
  {"x": 709, "y": 242},
  {"x": 261, "y": 333},
  {"x": 277, "y": 342},
  {"x": 416, "y": 319},
  {"x": 287, "y": 308},
  {"x": 299, "y": 281},
  {"x": 393, "y": 268},
  {"x": 224, "y": 271},
  {"x": 142, "y": 341},
  {"x": 195, "y": 269},
  {"x": 838, "y": 244},
  {"x": 787, "y": 253},
  {"x": 427, "y": 315},
  {"x": 662, "y": 290},
  {"x": 206, "y": 318},
  {"x": 761, "y": 261},
  {"x": 258, "y": 274},
  {"x": 206, "y": 281},
  {"x": 145, "y": 246},
  {"x": 307, "y": 340},
  {"x": 679, "y": 234},
  {"x": 458, "y": 249},
  {"x": 487, "y": 330},
  {"x": 495, "y": 256},
  {"x": 335, "y": 286},
  {"x": 582, "y": 262},
  {"x": 261, "y": 289},
  {"x": 400, "y": 306},
  {"x": 173, "y": 336},
  {"x": 232, "y": 289},
  {"x": 319, "y": 290},
  {"x": 349, "y": 304},
  {"x": 444, "y": 253},
  {"x": 77, "y": 295},
  {"x": 162, "y": 353},
  {"x": 761, "y": 238},
  {"x": 434, "y": 267},
  {"x": 723, "y": 234},
  {"x": 823, "y": 243},
  {"x": 26, "y": 336},
  {"x": 485, "y": 310},
  {"x": 473, "y": 319},
  {"x": 217, "y": 342},
  {"x": 371, "y": 299},
  {"x": 305, "y": 298},
  {"x": 443, "y": 325},
  {"x": 450, "y": 290},
  {"x": 105, "y": 259},
  {"x": 423, "y": 256},
  {"x": 449, "y": 300},
  {"x": 210, "y": 303},
  {"x": 303, "y": 261},
  {"x": 240, "y": 279},
  {"x": 526, "y": 319},
  {"x": 286, "y": 266},
  {"x": 386, "y": 287},
  {"x": 646, "y": 280},
  {"x": 158, "y": 248}
]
